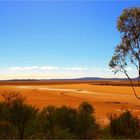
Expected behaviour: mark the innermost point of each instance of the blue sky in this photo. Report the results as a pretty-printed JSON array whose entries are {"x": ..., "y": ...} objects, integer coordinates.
[{"x": 58, "y": 39}]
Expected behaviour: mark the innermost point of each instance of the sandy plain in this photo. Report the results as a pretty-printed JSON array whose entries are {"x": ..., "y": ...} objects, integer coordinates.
[{"x": 105, "y": 99}]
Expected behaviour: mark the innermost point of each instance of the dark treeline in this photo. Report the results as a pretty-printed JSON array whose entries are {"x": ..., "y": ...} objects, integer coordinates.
[{"x": 23, "y": 121}]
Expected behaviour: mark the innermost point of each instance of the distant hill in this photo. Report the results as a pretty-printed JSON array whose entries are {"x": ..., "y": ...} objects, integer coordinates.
[
  {"x": 76, "y": 79},
  {"x": 99, "y": 78},
  {"x": 89, "y": 80}
]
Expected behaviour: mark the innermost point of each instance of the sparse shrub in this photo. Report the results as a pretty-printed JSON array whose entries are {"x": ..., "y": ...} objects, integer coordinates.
[
  {"x": 47, "y": 122},
  {"x": 21, "y": 116},
  {"x": 66, "y": 122},
  {"x": 10, "y": 96},
  {"x": 15, "y": 115},
  {"x": 66, "y": 118},
  {"x": 6, "y": 128},
  {"x": 59, "y": 122},
  {"x": 87, "y": 126},
  {"x": 124, "y": 126}
]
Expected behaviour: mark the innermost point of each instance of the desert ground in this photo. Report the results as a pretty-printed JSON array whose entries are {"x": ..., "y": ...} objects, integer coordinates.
[{"x": 106, "y": 97}]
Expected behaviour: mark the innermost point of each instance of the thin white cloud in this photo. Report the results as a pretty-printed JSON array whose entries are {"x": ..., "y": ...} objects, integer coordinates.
[
  {"x": 75, "y": 68},
  {"x": 24, "y": 68},
  {"x": 31, "y": 68},
  {"x": 49, "y": 68},
  {"x": 50, "y": 72}
]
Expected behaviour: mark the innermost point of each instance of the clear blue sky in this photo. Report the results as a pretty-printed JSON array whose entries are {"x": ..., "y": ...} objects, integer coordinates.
[{"x": 60, "y": 39}]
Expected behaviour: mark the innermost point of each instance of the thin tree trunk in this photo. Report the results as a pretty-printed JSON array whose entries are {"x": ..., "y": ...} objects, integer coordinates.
[
  {"x": 138, "y": 62},
  {"x": 139, "y": 74},
  {"x": 132, "y": 85}
]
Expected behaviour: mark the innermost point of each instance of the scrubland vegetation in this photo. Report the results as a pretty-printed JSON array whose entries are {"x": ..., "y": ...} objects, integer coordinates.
[{"x": 21, "y": 120}]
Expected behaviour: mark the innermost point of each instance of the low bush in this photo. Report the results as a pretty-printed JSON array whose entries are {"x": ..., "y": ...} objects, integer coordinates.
[{"x": 124, "y": 126}]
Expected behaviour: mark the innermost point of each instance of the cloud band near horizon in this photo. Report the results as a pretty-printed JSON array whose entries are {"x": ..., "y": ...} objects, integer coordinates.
[{"x": 55, "y": 72}]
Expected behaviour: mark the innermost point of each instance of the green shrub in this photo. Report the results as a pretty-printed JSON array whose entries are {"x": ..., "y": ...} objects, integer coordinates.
[
  {"x": 66, "y": 122},
  {"x": 87, "y": 126},
  {"x": 124, "y": 126}
]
